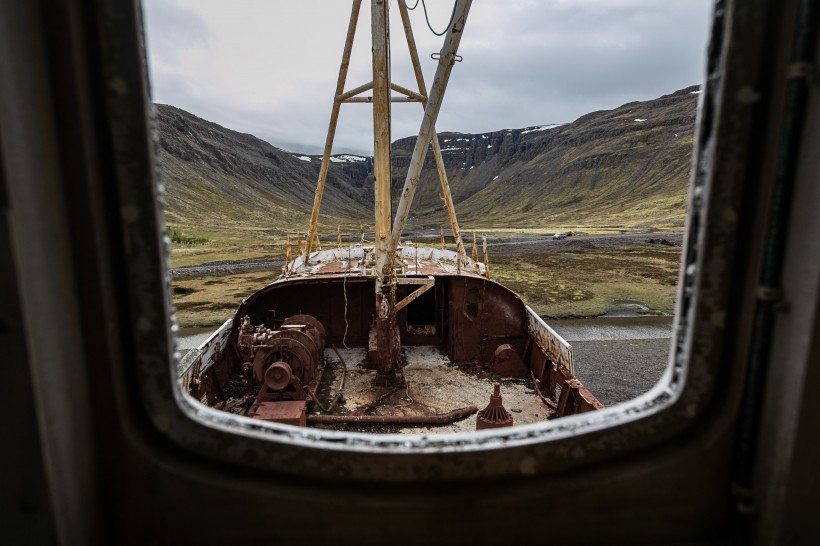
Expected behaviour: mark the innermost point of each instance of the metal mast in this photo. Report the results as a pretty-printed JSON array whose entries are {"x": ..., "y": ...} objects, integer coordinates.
[
  {"x": 388, "y": 230},
  {"x": 382, "y": 172}
]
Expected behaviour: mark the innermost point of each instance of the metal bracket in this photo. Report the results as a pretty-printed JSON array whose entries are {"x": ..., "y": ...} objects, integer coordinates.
[
  {"x": 455, "y": 58},
  {"x": 426, "y": 284}
]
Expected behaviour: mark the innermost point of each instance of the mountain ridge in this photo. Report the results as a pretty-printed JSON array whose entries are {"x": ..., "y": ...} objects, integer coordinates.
[{"x": 622, "y": 167}]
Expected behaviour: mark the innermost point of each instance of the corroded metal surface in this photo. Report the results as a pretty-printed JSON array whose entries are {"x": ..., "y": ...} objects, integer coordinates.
[
  {"x": 507, "y": 363},
  {"x": 476, "y": 322},
  {"x": 437, "y": 419},
  {"x": 548, "y": 340},
  {"x": 494, "y": 415}
]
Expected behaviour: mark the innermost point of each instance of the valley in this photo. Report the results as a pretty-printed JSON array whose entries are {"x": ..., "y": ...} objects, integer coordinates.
[{"x": 616, "y": 179}]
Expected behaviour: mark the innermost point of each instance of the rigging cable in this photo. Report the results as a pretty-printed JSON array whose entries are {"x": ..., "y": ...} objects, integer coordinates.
[
  {"x": 427, "y": 18},
  {"x": 344, "y": 289}
]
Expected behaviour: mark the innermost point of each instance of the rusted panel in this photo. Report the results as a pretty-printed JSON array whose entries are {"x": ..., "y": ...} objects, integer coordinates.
[
  {"x": 507, "y": 363},
  {"x": 483, "y": 315},
  {"x": 538, "y": 361},
  {"x": 572, "y": 397},
  {"x": 289, "y": 412},
  {"x": 584, "y": 400},
  {"x": 330, "y": 300}
]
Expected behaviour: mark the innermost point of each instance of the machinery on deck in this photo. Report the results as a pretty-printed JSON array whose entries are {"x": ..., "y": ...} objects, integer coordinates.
[{"x": 383, "y": 296}]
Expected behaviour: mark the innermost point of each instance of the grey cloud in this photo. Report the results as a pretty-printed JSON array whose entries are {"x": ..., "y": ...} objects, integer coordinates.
[
  {"x": 525, "y": 63},
  {"x": 173, "y": 28}
]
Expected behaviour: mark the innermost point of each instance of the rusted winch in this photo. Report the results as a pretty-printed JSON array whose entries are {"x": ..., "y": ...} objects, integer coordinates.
[
  {"x": 283, "y": 361},
  {"x": 494, "y": 415}
]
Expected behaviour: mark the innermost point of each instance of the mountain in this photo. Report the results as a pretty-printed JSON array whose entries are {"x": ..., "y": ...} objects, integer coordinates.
[
  {"x": 215, "y": 177},
  {"x": 627, "y": 167}
]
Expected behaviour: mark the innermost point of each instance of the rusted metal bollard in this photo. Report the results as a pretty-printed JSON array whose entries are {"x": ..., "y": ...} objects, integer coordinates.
[{"x": 494, "y": 415}]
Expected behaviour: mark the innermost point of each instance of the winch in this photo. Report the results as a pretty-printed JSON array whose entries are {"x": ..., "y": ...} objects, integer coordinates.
[{"x": 283, "y": 364}]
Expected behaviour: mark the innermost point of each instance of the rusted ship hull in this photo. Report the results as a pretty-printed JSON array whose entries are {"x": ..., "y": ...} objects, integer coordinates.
[
  {"x": 479, "y": 325},
  {"x": 268, "y": 362}
]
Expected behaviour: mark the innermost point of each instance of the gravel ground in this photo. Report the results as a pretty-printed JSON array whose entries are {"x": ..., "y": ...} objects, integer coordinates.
[{"x": 617, "y": 371}]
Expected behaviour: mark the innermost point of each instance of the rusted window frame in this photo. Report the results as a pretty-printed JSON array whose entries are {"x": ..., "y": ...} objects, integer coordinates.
[{"x": 685, "y": 395}]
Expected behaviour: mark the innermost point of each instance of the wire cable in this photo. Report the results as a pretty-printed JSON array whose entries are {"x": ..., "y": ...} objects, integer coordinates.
[{"x": 427, "y": 18}]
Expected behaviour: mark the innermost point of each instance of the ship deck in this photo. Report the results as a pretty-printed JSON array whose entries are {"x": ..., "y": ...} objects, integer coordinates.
[{"x": 434, "y": 386}]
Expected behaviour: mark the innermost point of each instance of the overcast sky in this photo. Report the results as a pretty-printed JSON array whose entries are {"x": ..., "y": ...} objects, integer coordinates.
[{"x": 269, "y": 67}]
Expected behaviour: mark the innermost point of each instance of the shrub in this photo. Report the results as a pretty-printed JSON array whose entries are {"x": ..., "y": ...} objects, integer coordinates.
[{"x": 179, "y": 237}]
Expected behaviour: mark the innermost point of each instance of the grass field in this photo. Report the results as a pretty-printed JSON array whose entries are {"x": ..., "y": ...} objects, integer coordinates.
[
  {"x": 588, "y": 283},
  {"x": 560, "y": 284}
]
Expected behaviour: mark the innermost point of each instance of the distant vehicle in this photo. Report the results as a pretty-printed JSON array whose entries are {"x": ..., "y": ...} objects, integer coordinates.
[{"x": 558, "y": 236}]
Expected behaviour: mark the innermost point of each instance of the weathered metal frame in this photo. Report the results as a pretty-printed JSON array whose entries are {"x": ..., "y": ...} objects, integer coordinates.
[
  {"x": 442, "y": 172},
  {"x": 338, "y": 97},
  {"x": 661, "y": 459},
  {"x": 425, "y": 285},
  {"x": 409, "y": 96},
  {"x": 446, "y": 60},
  {"x": 463, "y": 456}
]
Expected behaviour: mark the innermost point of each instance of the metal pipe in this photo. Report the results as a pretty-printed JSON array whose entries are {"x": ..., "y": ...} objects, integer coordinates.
[
  {"x": 447, "y": 58},
  {"x": 411, "y": 94},
  {"x": 426, "y": 284},
  {"x": 353, "y": 92},
  {"x": 442, "y": 173},
  {"x": 370, "y": 99},
  {"x": 385, "y": 323},
  {"x": 439, "y": 419},
  {"x": 331, "y": 131},
  {"x": 381, "y": 124}
]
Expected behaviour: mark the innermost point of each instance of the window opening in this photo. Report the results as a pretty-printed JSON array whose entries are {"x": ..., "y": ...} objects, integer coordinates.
[{"x": 499, "y": 320}]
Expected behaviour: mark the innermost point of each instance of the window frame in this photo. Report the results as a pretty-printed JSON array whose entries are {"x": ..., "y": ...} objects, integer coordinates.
[{"x": 708, "y": 314}]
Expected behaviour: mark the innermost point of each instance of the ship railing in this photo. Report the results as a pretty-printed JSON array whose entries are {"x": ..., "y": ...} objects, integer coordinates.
[
  {"x": 552, "y": 371},
  {"x": 550, "y": 342},
  {"x": 198, "y": 360}
]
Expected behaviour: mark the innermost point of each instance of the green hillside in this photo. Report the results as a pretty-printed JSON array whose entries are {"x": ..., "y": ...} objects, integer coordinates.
[{"x": 626, "y": 169}]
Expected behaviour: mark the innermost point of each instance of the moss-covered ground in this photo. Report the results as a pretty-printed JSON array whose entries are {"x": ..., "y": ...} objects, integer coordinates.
[{"x": 588, "y": 283}]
